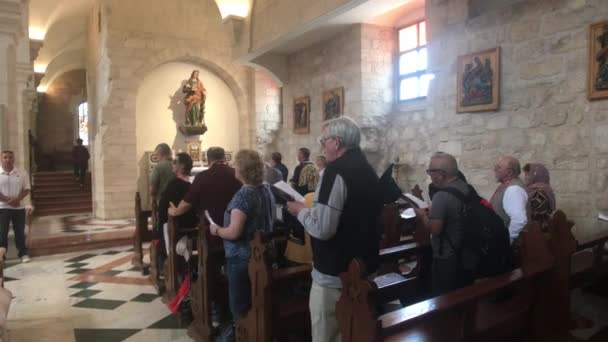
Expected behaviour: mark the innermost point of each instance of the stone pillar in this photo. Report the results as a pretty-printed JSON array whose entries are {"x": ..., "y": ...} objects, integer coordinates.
[{"x": 10, "y": 20}]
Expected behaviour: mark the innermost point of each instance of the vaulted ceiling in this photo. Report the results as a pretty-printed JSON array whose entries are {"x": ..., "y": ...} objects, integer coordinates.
[{"x": 62, "y": 25}]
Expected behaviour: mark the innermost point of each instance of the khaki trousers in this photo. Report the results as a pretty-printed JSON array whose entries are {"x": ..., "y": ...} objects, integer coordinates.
[{"x": 323, "y": 313}]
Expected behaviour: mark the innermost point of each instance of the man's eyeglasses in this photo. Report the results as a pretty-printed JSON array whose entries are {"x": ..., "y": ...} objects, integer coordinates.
[
  {"x": 323, "y": 140},
  {"x": 429, "y": 171}
]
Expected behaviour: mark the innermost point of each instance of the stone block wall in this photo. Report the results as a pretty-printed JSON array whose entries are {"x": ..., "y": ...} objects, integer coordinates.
[
  {"x": 267, "y": 99},
  {"x": 544, "y": 113},
  {"x": 326, "y": 65},
  {"x": 56, "y": 120}
]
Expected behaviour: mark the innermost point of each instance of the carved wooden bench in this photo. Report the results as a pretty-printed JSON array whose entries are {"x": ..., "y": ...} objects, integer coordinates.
[
  {"x": 209, "y": 288},
  {"x": 145, "y": 221},
  {"x": 524, "y": 303},
  {"x": 272, "y": 315}
]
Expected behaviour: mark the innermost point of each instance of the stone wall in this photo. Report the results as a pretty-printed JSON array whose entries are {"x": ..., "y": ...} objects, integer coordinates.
[
  {"x": 544, "y": 114},
  {"x": 326, "y": 65},
  {"x": 56, "y": 121},
  {"x": 267, "y": 99},
  {"x": 136, "y": 45}
]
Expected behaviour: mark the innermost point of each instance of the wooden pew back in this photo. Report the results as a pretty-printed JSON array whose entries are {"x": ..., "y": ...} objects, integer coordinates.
[
  {"x": 270, "y": 316},
  {"x": 482, "y": 311},
  {"x": 210, "y": 286},
  {"x": 143, "y": 231}
]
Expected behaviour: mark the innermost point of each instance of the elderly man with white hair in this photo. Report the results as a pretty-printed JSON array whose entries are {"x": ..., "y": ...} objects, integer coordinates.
[
  {"x": 341, "y": 222},
  {"x": 510, "y": 199}
]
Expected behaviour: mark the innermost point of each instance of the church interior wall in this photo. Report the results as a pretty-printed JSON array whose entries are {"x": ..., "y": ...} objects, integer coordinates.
[
  {"x": 58, "y": 110},
  {"x": 333, "y": 63},
  {"x": 544, "y": 114}
]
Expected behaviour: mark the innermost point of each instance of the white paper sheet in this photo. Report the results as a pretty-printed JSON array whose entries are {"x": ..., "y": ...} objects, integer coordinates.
[
  {"x": 420, "y": 203},
  {"x": 209, "y": 217},
  {"x": 408, "y": 213},
  {"x": 286, "y": 188}
]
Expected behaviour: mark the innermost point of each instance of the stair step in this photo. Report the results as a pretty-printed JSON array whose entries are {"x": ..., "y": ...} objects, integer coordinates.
[
  {"x": 60, "y": 188},
  {"x": 61, "y": 182},
  {"x": 62, "y": 210},
  {"x": 61, "y": 195},
  {"x": 63, "y": 201}
]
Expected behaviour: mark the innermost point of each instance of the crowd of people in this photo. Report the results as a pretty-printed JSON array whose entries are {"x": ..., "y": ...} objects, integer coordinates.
[{"x": 342, "y": 222}]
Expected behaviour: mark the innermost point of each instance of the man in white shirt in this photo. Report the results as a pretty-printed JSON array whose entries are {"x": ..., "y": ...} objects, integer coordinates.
[
  {"x": 14, "y": 187},
  {"x": 511, "y": 198}
]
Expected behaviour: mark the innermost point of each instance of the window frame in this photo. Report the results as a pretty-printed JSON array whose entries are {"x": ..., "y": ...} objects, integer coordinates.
[
  {"x": 85, "y": 142},
  {"x": 399, "y": 53}
]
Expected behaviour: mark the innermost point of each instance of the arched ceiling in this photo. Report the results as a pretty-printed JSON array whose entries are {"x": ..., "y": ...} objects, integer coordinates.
[{"x": 62, "y": 24}]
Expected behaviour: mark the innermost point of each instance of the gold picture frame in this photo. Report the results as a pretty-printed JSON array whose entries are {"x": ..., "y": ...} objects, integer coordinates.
[
  {"x": 597, "y": 75},
  {"x": 193, "y": 148},
  {"x": 478, "y": 81},
  {"x": 301, "y": 115},
  {"x": 333, "y": 103}
]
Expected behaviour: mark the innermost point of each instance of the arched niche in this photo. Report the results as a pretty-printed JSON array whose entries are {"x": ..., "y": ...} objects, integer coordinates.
[{"x": 160, "y": 110}]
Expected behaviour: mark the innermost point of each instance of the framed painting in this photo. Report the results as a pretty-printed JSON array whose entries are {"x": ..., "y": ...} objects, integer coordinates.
[
  {"x": 478, "y": 77},
  {"x": 597, "y": 76},
  {"x": 301, "y": 115},
  {"x": 333, "y": 103}
]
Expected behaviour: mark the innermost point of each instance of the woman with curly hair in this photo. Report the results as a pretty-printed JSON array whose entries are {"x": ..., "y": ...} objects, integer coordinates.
[{"x": 251, "y": 209}]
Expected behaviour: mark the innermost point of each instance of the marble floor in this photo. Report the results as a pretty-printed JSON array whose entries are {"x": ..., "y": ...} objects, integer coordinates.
[
  {"x": 86, "y": 296},
  {"x": 76, "y": 224}
]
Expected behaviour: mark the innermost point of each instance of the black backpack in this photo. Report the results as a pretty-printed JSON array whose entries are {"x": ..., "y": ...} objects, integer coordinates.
[{"x": 486, "y": 248}]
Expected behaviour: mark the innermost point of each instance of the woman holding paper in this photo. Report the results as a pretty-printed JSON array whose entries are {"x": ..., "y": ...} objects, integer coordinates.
[{"x": 251, "y": 208}]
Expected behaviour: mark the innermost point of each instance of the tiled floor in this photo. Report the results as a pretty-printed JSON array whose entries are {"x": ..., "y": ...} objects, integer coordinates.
[
  {"x": 76, "y": 224},
  {"x": 87, "y": 296}
]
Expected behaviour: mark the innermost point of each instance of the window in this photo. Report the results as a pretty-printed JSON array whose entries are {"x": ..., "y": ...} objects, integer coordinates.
[
  {"x": 413, "y": 80},
  {"x": 83, "y": 123}
]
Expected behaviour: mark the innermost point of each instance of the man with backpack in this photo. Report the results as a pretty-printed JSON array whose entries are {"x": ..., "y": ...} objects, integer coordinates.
[{"x": 446, "y": 224}]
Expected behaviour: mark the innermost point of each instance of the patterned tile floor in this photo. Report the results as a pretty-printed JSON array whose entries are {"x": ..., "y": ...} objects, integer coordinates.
[
  {"x": 87, "y": 296},
  {"x": 76, "y": 224}
]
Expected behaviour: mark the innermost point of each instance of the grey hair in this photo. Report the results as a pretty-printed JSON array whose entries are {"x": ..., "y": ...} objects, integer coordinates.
[
  {"x": 513, "y": 165},
  {"x": 447, "y": 162},
  {"x": 346, "y": 129}
]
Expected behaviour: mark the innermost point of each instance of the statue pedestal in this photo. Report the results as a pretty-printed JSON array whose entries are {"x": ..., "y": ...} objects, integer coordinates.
[{"x": 193, "y": 130}]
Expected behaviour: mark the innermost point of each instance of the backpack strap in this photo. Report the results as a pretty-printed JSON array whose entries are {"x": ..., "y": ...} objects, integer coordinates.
[
  {"x": 461, "y": 196},
  {"x": 454, "y": 192}
]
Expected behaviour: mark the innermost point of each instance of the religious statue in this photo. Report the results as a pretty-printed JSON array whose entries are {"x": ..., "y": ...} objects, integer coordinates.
[
  {"x": 601, "y": 82},
  {"x": 477, "y": 83},
  {"x": 195, "y": 98}
]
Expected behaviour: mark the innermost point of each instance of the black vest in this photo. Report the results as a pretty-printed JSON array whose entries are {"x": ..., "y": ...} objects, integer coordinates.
[{"x": 357, "y": 234}]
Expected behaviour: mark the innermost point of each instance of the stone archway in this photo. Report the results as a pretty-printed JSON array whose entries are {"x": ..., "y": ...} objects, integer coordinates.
[{"x": 115, "y": 137}]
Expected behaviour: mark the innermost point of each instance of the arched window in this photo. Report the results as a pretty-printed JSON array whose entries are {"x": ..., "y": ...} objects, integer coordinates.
[{"x": 83, "y": 123}]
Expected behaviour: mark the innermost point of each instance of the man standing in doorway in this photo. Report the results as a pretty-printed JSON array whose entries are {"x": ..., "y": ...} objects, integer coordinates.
[
  {"x": 80, "y": 158},
  {"x": 14, "y": 187}
]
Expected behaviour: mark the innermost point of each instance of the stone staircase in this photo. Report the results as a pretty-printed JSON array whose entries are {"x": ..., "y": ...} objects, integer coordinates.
[{"x": 56, "y": 193}]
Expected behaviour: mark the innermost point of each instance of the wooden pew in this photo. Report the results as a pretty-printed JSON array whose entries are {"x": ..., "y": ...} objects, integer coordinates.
[
  {"x": 143, "y": 232},
  {"x": 590, "y": 261},
  {"x": 5, "y": 299},
  {"x": 533, "y": 308},
  {"x": 209, "y": 286},
  {"x": 272, "y": 316},
  {"x": 175, "y": 264}
]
